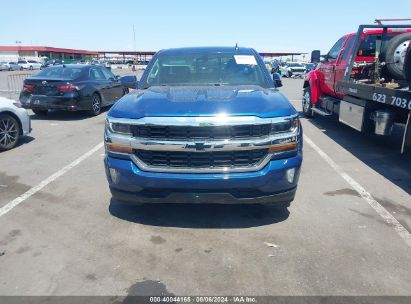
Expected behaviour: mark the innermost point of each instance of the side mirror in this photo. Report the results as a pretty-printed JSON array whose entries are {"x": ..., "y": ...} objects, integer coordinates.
[
  {"x": 277, "y": 80},
  {"x": 117, "y": 76},
  {"x": 324, "y": 58},
  {"x": 129, "y": 81}
]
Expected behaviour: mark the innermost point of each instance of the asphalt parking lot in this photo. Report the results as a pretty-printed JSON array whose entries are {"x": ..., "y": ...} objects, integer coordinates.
[{"x": 346, "y": 233}]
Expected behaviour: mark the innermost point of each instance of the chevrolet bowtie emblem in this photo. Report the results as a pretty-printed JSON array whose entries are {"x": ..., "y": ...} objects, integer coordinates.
[{"x": 200, "y": 146}]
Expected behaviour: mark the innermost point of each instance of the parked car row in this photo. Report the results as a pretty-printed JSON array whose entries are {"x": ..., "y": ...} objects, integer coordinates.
[{"x": 20, "y": 65}]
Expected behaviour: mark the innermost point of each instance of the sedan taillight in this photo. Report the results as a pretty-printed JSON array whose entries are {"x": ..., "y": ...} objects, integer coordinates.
[
  {"x": 28, "y": 87},
  {"x": 67, "y": 87}
]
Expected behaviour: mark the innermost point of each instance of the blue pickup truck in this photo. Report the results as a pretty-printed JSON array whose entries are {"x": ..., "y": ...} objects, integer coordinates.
[{"x": 205, "y": 125}]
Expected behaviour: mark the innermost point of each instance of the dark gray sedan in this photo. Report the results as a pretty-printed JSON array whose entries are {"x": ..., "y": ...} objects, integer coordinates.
[{"x": 72, "y": 87}]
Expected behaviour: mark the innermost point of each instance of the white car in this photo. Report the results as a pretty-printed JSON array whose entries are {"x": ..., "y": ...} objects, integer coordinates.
[
  {"x": 10, "y": 66},
  {"x": 4, "y": 66},
  {"x": 293, "y": 69},
  {"x": 29, "y": 64},
  {"x": 14, "y": 123}
]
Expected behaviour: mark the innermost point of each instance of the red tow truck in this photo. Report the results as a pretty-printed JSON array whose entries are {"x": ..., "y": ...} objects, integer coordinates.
[{"x": 365, "y": 80}]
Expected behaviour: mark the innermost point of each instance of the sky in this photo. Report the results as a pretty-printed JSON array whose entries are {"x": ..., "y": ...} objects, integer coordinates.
[{"x": 298, "y": 26}]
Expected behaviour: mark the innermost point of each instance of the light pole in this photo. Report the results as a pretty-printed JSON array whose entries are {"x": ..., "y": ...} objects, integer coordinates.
[{"x": 134, "y": 36}]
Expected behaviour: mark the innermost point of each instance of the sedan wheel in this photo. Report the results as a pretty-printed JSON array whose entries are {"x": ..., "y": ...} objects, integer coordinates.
[
  {"x": 95, "y": 105},
  {"x": 9, "y": 132}
]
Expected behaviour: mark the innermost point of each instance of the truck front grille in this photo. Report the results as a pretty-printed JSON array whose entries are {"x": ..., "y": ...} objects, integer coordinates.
[
  {"x": 203, "y": 133},
  {"x": 221, "y": 159}
]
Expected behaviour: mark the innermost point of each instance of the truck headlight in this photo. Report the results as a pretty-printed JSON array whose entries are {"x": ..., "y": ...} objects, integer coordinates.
[
  {"x": 289, "y": 125},
  {"x": 120, "y": 128}
]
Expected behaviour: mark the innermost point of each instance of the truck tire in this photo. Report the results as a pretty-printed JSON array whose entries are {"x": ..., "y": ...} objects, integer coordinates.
[
  {"x": 407, "y": 66},
  {"x": 394, "y": 55},
  {"x": 306, "y": 102}
]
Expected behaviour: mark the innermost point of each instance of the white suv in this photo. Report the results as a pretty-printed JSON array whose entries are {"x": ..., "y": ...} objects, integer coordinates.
[
  {"x": 29, "y": 64},
  {"x": 293, "y": 69}
]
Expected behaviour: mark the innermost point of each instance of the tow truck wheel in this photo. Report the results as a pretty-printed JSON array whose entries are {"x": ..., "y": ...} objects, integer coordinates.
[
  {"x": 306, "y": 103},
  {"x": 394, "y": 54},
  {"x": 407, "y": 66}
]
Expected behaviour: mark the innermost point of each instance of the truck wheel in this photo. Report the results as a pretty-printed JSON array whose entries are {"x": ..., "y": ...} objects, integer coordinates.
[
  {"x": 407, "y": 66},
  {"x": 9, "y": 132},
  {"x": 394, "y": 55},
  {"x": 306, "y": 103}
]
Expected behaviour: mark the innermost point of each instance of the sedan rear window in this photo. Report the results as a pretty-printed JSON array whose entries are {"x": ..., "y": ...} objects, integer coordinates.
[{"x": 60, "y": 72}]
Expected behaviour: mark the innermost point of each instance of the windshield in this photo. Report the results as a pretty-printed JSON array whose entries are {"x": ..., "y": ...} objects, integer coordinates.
[
  {"x": 60, "y": 72},
  {"x": 204, "y": 69}
]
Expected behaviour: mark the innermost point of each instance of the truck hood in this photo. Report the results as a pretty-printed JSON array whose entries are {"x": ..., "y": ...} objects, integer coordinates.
[{"x": 202, "y": 101}]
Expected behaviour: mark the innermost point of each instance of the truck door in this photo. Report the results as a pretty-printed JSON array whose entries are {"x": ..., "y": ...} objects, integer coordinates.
[
  {"x": 342, "y": 62},
  {"x": 328, "y": 68}
]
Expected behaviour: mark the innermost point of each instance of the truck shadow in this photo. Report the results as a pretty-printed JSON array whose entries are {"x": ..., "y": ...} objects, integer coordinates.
[
  {"x": 198, "y": 216},
  {"x": 382, "y": 154}
]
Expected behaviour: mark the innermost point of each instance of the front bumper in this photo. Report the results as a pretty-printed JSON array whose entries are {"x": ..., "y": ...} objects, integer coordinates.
[
  {"x": 24, "y": 120},
  {"x": 202, "y": 198},
  {"x": 269, "y": 185}
]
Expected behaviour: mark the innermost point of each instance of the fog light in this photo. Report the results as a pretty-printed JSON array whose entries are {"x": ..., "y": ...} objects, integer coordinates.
[
  {"x": 114, "y": 175},
  {"x": 290, "y": 175}
]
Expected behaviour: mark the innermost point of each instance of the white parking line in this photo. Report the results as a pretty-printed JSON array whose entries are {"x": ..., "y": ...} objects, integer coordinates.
[
  {"x": 387, "y": 217},
  {"x": 17, "y": 201}
]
